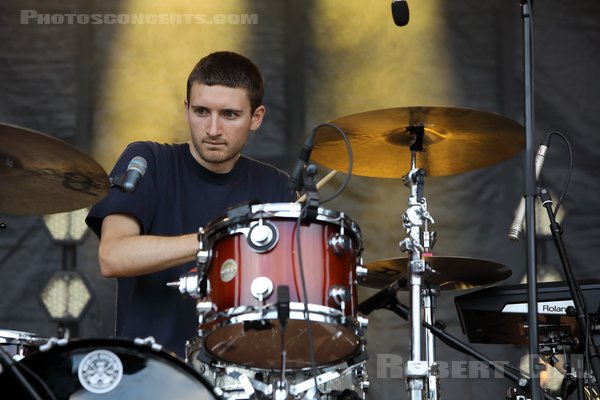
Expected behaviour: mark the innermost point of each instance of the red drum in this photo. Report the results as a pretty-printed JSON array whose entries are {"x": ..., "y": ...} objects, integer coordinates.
[
  {"x": 107, "y": 369},
  {"x": 252, "y": 252}
]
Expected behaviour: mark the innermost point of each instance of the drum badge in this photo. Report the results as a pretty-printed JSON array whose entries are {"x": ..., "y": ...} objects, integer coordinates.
[
  {"x": 100, "y": 371},
  {"x": 228, "y": 270}
]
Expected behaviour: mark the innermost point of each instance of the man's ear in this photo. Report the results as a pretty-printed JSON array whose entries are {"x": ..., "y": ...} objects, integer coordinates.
[{"x": 257, "y": 118}]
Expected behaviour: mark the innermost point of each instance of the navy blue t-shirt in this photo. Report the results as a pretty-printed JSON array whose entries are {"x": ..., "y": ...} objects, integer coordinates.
[{"x": 177, "y": 196}]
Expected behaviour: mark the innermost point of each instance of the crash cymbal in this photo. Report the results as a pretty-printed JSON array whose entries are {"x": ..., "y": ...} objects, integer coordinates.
[
  {"x": 41, "y": 174},
  {"x": 454, "y": 140},
  {"x": 449, "y": 273}
]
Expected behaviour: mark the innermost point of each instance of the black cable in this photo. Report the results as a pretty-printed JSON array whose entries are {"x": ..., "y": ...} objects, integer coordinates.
[
  {"x": 10, "y": 366},
  {"x": 350, "y": 159},
  {"x": 569, "y": 172},
  {"x": 311, "y": 350}
]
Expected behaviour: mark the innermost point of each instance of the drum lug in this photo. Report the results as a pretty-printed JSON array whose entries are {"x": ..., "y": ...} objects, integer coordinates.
[
  {"x": 261, "y": 288},
  {"x": 263, "y": 236},
  {"x": 340, "y": 295},
  {"x": 340, "y": 244},
  {"x": 203, "y": 253},
  {"x": 361, "y": 270},
  {"x": 205, "y": 310}
]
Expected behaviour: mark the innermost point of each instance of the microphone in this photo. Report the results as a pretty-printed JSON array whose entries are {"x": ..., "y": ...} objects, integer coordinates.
[
  {"x": 296, "y": 180},
  {"x": 283, "y": 305},
  {"x": 400, "y": 12},
  {"x": 517, "y": 225},
  {"x": 129, "y": 181}
]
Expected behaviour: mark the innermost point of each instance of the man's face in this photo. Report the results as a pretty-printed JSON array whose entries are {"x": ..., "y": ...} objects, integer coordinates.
[{"x": 220, "y": 120}]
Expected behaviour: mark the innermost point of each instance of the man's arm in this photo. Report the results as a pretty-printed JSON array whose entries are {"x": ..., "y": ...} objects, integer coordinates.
[{"x": 124, "y": 252}]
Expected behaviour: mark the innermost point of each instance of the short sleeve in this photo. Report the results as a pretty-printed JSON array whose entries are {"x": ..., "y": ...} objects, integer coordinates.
[{"x": 139, "y": 204}]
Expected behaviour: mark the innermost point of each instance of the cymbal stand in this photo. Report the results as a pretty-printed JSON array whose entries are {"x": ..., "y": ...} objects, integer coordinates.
[
  {"x": 429, "y": 297},
  {"x": 414, "y": 218}
]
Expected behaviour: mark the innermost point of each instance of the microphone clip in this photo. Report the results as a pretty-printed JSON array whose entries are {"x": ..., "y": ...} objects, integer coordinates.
[
  {"x": 311, "y": 209},
  {"x": 117, "y": 182}
]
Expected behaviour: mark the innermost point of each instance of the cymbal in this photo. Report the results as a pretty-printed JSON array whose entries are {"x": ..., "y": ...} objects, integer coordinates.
[
  {"x": 455, "y": 140},
  {"x": 449, "y": 273},
  {"x": 41, "y": 174}
]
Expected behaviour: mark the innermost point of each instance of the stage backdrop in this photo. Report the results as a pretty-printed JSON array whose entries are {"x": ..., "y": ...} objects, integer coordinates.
[{"x": 101, "y": 85}]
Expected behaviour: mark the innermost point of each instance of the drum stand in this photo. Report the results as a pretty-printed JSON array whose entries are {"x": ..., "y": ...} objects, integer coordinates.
[
  {"x": 429, "y": 298},
  {"x": 415, "y": 220}
]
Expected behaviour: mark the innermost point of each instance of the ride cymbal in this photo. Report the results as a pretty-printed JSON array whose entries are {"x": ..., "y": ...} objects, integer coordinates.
[
  {"x": 41, "y": 174},
  {"x": 453, "y": 140},
  {"x": 449, "y": 273}
]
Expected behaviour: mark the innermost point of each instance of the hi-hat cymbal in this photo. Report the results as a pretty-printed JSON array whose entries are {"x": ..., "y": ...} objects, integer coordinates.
[
  {"x": 455, "y": 140},
  {"x": 449, "y": 273},
  {"x": 41, "y": 174}
]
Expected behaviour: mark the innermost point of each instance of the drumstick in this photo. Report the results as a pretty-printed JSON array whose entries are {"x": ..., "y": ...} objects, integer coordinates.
[{"x": 320, "y": 184}]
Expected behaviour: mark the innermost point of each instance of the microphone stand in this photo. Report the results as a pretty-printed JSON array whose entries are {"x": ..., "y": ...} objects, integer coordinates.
[
  {"x": 578, "y": 301},
  {"x": 530, "y": 193}
]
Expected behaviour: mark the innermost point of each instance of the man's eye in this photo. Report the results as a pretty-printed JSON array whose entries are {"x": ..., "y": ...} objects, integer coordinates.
[
  {"x": 230, "y": 114},
  {"x": 200, "y": 111}
]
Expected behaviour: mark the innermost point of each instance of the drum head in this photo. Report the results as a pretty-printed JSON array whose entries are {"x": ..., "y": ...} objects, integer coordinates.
[{"x": 106, "y": 369}]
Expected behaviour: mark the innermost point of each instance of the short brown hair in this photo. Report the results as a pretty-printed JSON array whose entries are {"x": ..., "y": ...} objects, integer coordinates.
[{"x": 231, "y": 70}]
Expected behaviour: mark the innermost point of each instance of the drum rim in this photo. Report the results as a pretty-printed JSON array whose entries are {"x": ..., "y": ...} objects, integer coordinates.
[
  {"x": 106, "y": 343},
  {"x": 73, "y": 347},
  {"x": 286, "y": 211},
  {"x": 317, "y": 314},
  {"x": 12, "y": 337}
]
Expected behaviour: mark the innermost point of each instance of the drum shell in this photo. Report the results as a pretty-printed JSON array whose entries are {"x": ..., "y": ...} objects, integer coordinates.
[{"x": 323, "y": 269}]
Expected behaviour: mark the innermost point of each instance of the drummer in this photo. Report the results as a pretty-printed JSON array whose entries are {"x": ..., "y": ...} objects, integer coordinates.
[{"x": 149, "y": 237}]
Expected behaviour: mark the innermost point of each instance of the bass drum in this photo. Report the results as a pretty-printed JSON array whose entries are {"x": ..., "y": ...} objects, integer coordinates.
[{"x": 106, "y": 369}]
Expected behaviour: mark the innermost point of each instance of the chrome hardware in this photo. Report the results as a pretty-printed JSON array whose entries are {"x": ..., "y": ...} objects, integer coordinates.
[
  {"x": 340, "y": 244},
  {"x": 203, "y": 253},
  {"x": 361, "y": 270},
  {"x": 363, "y": 321},
  {"x": 262, "y": 237},
  {"x": 261, "y": 288},
  {"x": 149, "y": 342},
  {"x": 415, "y": 369},
  {"x": 187, "y": 284},
  {"x": 340, "y": 295}
]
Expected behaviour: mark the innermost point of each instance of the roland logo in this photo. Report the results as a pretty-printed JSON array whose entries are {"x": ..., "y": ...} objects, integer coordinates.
[{"x": 551, "y": 308}]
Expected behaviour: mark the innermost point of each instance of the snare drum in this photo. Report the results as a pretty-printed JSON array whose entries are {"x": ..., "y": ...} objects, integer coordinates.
[
  {"x": 248, "y": 256},
  {"x": 19, "y": 344},
  {"x": 106, "y": 369}
]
